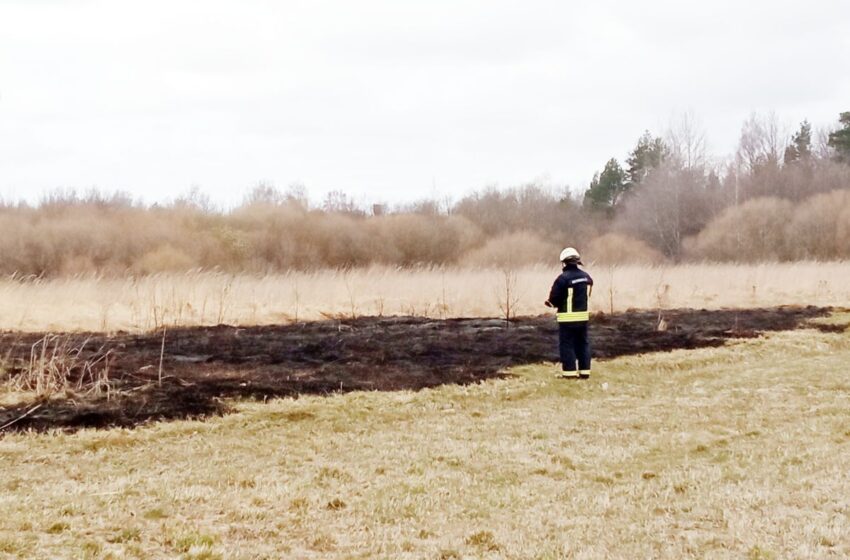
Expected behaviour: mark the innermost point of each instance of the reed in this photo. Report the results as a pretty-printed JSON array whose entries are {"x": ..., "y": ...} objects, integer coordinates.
[{"x": 147, "y": 303}]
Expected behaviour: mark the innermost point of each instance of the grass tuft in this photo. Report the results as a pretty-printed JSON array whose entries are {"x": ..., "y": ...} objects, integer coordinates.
[
  {"x": 484, "y": 540},
  {"x": 336, "y": 504},
  {"x": 187, "y": 541},
  {"x": 155, "y": 514},
  {"x": 58, "y": 527},
  {"x": 125, "y": 535}
]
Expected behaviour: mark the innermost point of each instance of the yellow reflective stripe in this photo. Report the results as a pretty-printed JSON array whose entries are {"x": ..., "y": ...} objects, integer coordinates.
[
  {"x": 569, "y": 300},
  {"x": 574, "y": 316}
]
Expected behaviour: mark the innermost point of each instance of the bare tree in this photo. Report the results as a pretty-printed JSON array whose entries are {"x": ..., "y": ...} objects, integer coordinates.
[
  {"x": 762, "y": 142},
  {"x": 671, "y": 205},
  {"x": 547, "y": 212},
  {"x": 686, "y": 140},
  {"x": 340, "y": 203},
  {"x": 820, "y": 147},
  {"x": 264, "y": 193},
  {"x": 296, "y": 194},
  {"x": 197, "y": 199}
]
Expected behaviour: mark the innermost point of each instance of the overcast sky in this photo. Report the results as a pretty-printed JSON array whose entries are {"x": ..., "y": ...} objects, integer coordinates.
[{"x": 390, "y": 100}]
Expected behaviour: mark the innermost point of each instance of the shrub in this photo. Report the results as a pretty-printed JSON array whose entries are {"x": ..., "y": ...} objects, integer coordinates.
[
  {"x": 512, "y": 250},
  {"x": 163, "y": 259},
  {"x": 614, "y": 248},
  {"x": 820, "y": 228},
  {"x": 753, "y": 231}
]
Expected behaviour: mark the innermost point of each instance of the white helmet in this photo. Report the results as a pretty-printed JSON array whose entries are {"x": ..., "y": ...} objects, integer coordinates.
[{"x": 570, "y": 254}]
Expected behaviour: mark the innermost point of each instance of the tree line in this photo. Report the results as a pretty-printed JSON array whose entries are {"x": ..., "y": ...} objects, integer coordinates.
[
  {"x": 671, "y": 196},
  {"x": 779, "y": 197}
]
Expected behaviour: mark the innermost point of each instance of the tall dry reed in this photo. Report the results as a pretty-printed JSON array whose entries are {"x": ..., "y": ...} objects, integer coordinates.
[{"x": 94, "y": 303}]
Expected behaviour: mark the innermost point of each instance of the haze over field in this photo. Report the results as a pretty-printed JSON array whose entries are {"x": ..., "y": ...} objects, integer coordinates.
[{"x": 390, "y": 101}]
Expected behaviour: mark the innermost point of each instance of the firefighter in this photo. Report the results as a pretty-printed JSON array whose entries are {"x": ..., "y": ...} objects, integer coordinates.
[{"x": 569, "y": 295}]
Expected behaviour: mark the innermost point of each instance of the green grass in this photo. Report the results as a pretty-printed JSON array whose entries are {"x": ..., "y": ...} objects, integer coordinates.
[{"x": 739, "y": 451}]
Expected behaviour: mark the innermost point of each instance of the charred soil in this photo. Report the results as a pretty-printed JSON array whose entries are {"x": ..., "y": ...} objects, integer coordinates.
[{"x": 203, "y": 367}]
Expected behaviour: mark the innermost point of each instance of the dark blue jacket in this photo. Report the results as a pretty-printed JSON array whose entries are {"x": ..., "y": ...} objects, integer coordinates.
[{"x": 570, "y": 294}]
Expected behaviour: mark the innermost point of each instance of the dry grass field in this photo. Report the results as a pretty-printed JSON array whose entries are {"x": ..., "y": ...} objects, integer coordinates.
[
  {"x": 738, "y": 451},
  {"x": 205, "y": 298}
]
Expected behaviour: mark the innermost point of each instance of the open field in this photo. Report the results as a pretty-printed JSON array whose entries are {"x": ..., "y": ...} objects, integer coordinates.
[
  {"x": 204, "y": 298},
  {"x": 725, "y": 451}
]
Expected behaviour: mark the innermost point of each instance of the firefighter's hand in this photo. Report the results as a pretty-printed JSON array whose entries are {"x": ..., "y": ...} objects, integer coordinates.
[{"x": 548, "y": 303}]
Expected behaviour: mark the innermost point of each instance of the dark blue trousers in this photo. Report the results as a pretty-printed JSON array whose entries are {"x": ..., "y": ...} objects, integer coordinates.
[{"x": 574, "y": 345}]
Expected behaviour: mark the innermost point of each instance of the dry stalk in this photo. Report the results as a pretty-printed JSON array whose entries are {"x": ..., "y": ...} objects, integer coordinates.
[
  {"x": 352, "y": 299},
  {"x": 161, "y": 357},
  {"x": 510, "y": 297},
  {"x": 56, "y": 365},
  {"x": 21, "y": 417},
  {"x": 224, "y": 300},
  {"x": 662, "y": 290},
  {"x": 296, "y": 293},
  {"x": 444, "y": 306}
]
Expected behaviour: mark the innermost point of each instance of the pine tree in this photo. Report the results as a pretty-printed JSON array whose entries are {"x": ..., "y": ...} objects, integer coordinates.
[
  {"x": 800, "y": 148},
  {"x": 606, "y": 187},
  {"x": 647, "y": 155},
  {"x": 840, "y": 139}
]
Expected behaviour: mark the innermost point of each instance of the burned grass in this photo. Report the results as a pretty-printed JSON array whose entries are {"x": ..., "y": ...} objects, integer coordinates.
[{"x": 203, "y": 367}]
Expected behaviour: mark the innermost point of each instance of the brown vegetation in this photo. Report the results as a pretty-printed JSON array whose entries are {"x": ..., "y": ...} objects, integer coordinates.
[
  {"x": 511, "y": 251},
  {"x": 68, "y": 235},
  {"x": 778, "y": 199},
  {"x": 115, "y": 237},
  {"x": 615, "y": 248},
  {"x": 141, "y": 304},
  {"x": 778, "y": 230},
  {"x": 821, "y": 227},
  {"x": 754, "y": 230}
]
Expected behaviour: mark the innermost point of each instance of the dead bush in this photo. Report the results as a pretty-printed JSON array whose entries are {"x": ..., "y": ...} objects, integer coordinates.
[
  {"x": 68, "y": 234},
  {"x": 820, "y": 228},
  {"x": 412, "y": 239},
  {"x": 59, "y": 365},
  {"x": 614, "y": 248},
  {"x": 164, "y": 259},
  {"x": 753, "y": 231},
  {"x": 511, "y": 251}
]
